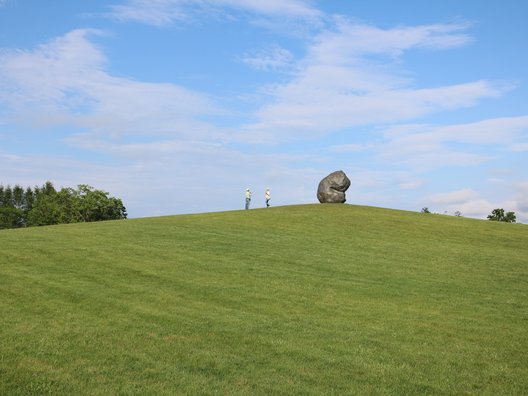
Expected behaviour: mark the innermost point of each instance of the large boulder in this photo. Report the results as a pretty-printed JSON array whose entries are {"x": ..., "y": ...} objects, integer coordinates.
[{"x": 332, "y": 188}]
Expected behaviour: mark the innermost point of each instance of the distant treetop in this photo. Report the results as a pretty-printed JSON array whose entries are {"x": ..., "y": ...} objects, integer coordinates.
[{"x": 499, "y": 215}]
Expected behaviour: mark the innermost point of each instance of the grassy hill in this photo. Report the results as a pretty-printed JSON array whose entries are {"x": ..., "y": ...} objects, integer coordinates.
[{"x": 311, "y": 299}]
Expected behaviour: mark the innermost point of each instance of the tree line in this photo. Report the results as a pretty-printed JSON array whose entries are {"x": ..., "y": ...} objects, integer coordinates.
[
  {"x": 496, "y": 215},
  {"x": 26, "y": 207}
]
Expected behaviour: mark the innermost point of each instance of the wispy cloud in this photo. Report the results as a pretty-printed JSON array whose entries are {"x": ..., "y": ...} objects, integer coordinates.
[
  {"x": 348, "y": 148},
  {"x": 520, "y": 147},
  {"x": 454, "y": 197},
  {"x": 349, "y": 40},
  {"x": 293, "y": 8},
  {"x": 429, "y": 146},
  {"x": 343, "y": 78},
  {"x": 164, "y": 12},
  {"x": 65, "y": 82},
  {"x": 348, "y": 78},
  {"x": 521, "y": 200},
  {"x": 504, "y": 131},
  {"x": 273, "y": 57},
  {"x": 471, "y": 204},
  {"x": 153, "y": 12},
  {"x": 172, "y": 176},
  {"x": 308, "y": 106},
  {"x": 468, "y": 202}
]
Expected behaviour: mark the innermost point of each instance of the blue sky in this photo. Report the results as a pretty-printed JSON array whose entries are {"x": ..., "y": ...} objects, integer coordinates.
[{"x": 176, "y": 106}]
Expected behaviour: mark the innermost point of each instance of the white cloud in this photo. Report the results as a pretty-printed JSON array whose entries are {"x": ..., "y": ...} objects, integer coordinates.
[
  {"x": 293, "y": 8},
  {"x": 350, "y": 40},
  {"x": 9, "y": 158},
  {"x": 501, "y": 131},
  {"x": 271, "y": 58},
  {"x": 471, "y": 204},
  {"x": 478, "y": 208},
  {"x": 454, "y": 197},
  {"x": 520, "y": 147},
  {"x": 166, "y": 159},
  {"x": 45, "y": 74},
  {"x": 520, "y": 200},
  {"x": 466, "y": 201},
  {"x": 383, "y": 187},
  {"x": 411, "y": 185},
  {"x": 150, "y": 132},
  {"x": 347, "y": 79},
  {"x": 427, "y": 146},
  {"x": 152, "y": 12},
  {"x": 164, "y": 12},
  {"x": 65, "y": 82},
  {"x": 312, "y": 105},
  {"x": 348, "y": 148},
  {"x": 186, "y": 177}
]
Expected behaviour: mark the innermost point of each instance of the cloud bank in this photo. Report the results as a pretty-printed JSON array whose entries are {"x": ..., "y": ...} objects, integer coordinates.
[{"x": 342, "y": 95}]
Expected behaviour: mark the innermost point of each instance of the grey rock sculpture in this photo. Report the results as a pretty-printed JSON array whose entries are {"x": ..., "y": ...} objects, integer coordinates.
[{"x": 332, "y": 188}]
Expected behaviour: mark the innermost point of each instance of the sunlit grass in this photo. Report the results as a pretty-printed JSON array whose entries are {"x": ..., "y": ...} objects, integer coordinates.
[{"x": 312, "y": 299}]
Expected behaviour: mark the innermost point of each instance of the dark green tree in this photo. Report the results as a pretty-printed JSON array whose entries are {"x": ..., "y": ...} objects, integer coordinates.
[
  {"x": 29, "y": 199},
  {"x": 510, "y": 217},
  {"x": 18, "y": 197},
  {"x": 46, "y": 211},
  {"x": 11, "y": 217},
  {"x": 7, "y": 196},
  {"x": 11, "y": 207},
  {"x": 499, "y": 215}
]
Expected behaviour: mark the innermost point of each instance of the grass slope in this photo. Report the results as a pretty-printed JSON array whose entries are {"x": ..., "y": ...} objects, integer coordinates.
[{"x": 311, "y": 299}]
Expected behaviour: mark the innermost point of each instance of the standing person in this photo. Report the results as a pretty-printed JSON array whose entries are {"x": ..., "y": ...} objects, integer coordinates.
[
  {"x": 268, "y": 197},
  {"x": 248, "y": 198}
]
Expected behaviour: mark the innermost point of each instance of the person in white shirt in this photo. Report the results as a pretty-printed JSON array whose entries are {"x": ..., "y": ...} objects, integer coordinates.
[
  {"x": 248, "y": 198},
  {"x": 268, "y": 197}
]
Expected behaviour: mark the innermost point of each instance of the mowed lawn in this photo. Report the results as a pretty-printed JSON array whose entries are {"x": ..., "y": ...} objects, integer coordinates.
[{"x": 298, "y": 300}]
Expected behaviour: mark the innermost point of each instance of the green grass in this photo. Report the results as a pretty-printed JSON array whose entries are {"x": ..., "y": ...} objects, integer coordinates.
[{"x": 306, "y": 300}]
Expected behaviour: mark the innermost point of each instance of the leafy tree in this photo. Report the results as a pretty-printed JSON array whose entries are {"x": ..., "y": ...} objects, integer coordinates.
[
  {"x": 499, "y": 215},
  {"x": 458, "y": 213},
  {"x": 46, "y": 189},
  {"x": 18, "y": 197},
  {"x": 46, "y": 206},
  {"x": 70, "y": 206},
  {"x": 46, "y": 211},
  {"x": 7, "y": 197},
  {"x": 510, "y": 217},
  {"x": 96, "y": 205},
  {"x": 29, "y": 198},
  {"x": 11, "y": 217},
  {"x": 11, "y": 207}
]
